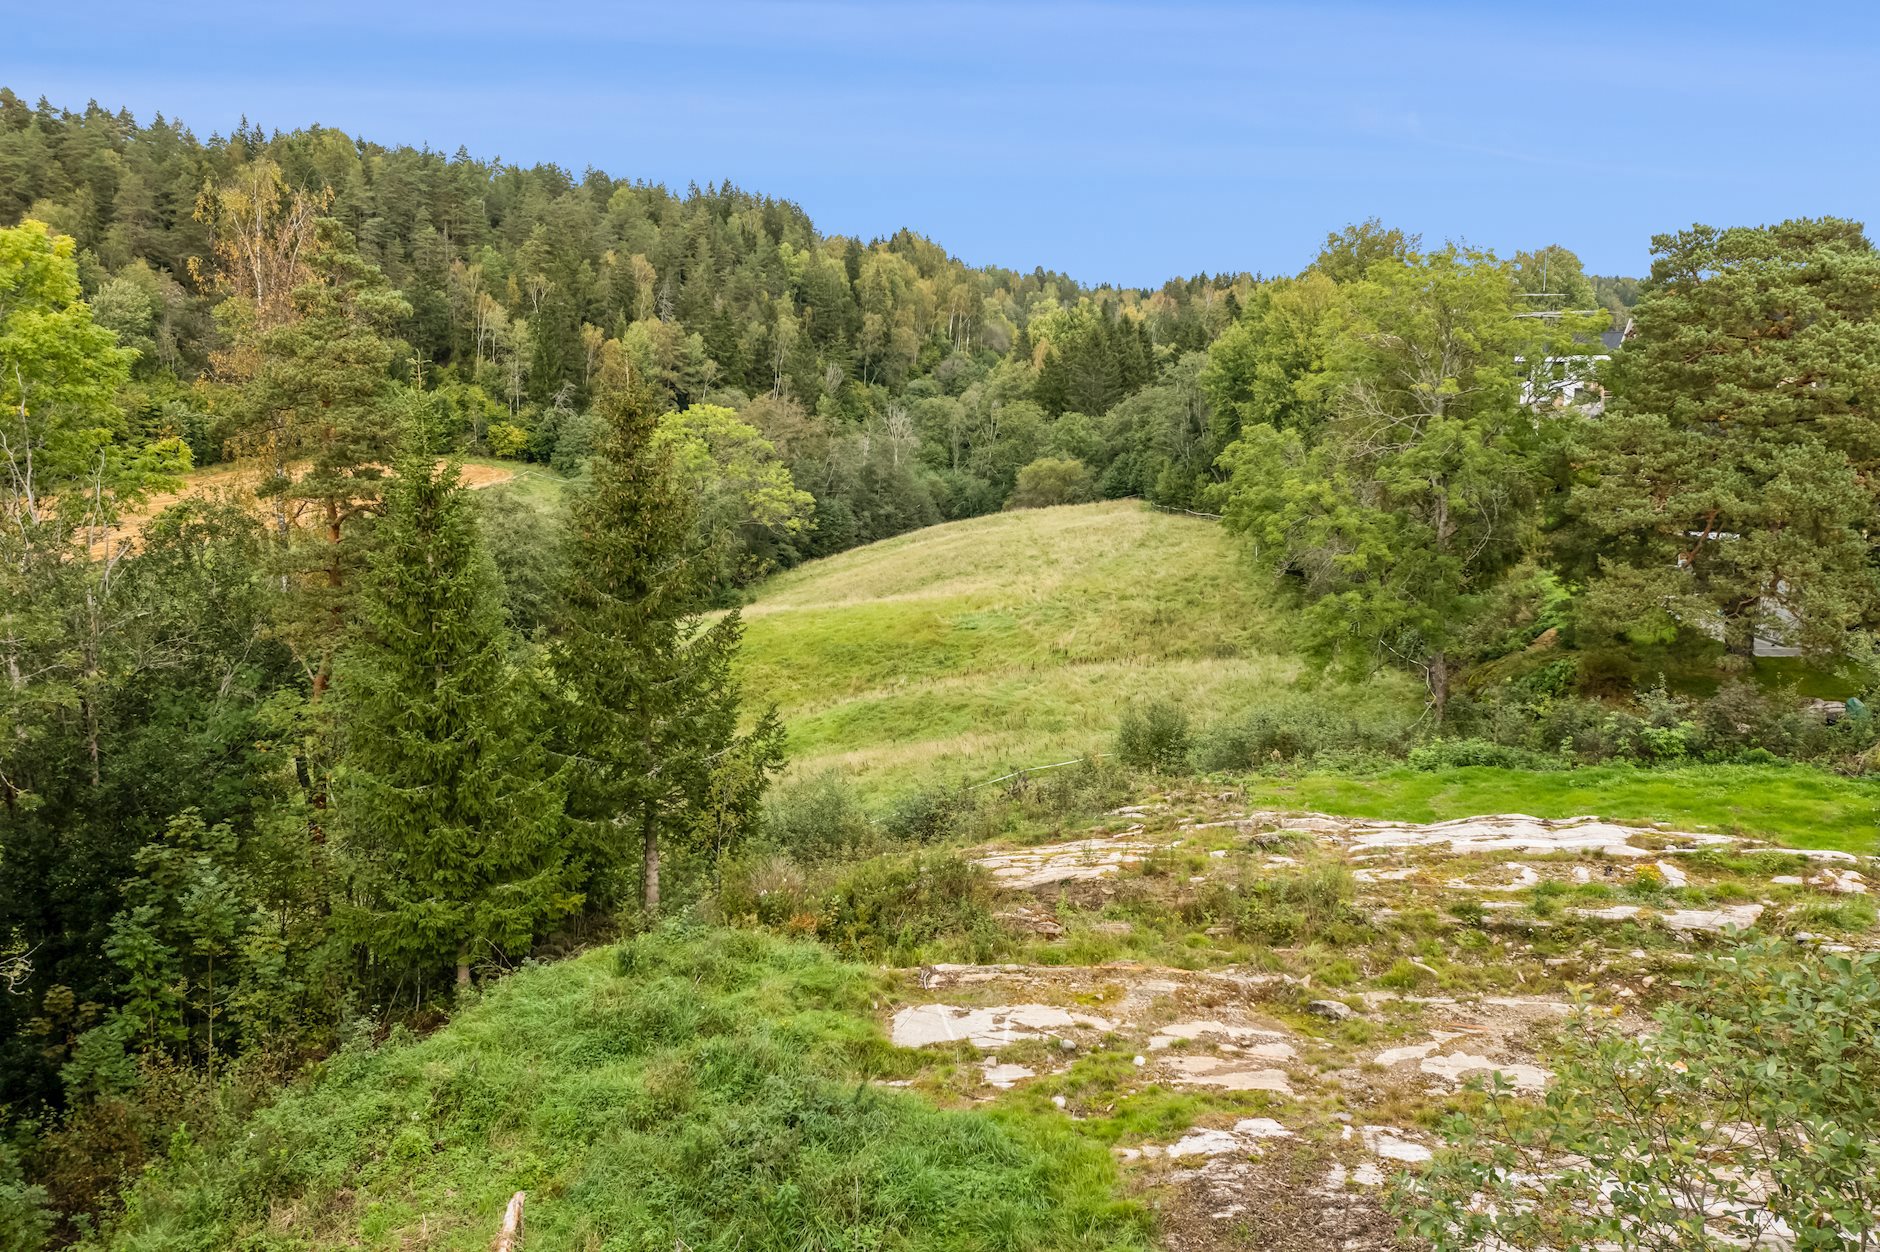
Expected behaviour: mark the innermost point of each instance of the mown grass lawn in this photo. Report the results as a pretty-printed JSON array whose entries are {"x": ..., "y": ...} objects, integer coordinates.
[{"x": 1798, "y": 805}]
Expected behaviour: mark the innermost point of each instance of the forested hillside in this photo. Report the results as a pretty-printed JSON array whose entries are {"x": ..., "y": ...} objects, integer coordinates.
[
  {"x": 899, "y": 384},
  {"x": 304, "y": 753}
]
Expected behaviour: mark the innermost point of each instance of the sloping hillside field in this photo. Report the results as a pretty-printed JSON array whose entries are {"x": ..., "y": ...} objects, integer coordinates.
[
  {"x": 1006, "y": 641},
  {"x": 1120, "y": 1011}
]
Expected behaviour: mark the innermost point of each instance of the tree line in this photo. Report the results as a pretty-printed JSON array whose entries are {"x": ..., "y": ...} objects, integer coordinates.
[
  {"x": 1396, "y": 462},
  {"x": 271, "y": 764},
  {"x": 898, "y": 386}
]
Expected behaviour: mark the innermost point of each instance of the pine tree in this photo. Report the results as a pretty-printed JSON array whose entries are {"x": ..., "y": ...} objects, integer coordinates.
[
  {"x": 324, "y": 392},
  {"x": 652, "y": 707},
  {"x": 1730, "y": 486},
  {"x": 452, "y": 821}
]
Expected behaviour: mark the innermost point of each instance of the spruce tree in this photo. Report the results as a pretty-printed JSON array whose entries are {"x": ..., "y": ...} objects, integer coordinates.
[
  {"x": 452, "y": 819},
  {"x": 651, "y": 705}
]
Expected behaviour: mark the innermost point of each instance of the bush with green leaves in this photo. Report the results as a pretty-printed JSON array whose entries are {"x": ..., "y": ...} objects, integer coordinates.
[
  {"x": 1294, "y": 727},
  {"x": 1749, "y": 1116},
  {"x": 887, "y": 908},
  {"x": 25, "y": 1213},
  {"x": 1154, "y": 737},
  {"x": 817, "y": 819},
  {"x": 1052, "y": 480},
  {"x": 1441, "y": 754},
  {"x": 927, "y": 815}
]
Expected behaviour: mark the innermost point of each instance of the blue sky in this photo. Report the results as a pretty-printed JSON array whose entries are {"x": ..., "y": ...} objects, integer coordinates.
[{"x": 1120, "y": 142}]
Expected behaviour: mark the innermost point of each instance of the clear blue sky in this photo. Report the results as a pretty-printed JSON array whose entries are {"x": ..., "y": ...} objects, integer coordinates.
[{"x": 1120, "y": 142}]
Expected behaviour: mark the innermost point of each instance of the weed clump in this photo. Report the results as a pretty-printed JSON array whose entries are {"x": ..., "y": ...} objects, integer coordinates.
[{"x": 1283, "y": 909}]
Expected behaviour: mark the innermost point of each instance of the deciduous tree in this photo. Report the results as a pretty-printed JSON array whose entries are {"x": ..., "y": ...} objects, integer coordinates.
[{"x": 1418, "y": 493}]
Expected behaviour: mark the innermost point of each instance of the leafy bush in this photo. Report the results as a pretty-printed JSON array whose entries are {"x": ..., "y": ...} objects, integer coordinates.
[
  {"x": 1154, "y": 737},
  {"x": 817, "y": 819},
  {"x": 1053, "y": 480},
  {"x": 885, "y": 909},
  {"x": 1092, "y": 785},
  {"x": 1440, "y": 754},
  {"x": 1265, "y": 736},
  {"x": 1308, "y": 726},
  {"x": 25, "y": 1215},
  {"x": 1758, "y": 1092},
  {"x": 927, "y": 815}
]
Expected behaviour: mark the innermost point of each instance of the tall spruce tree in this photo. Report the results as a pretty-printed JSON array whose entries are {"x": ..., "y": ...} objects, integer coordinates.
[
  {"x": 452, "y": 819},
  {"x": 652, "y": 706}
]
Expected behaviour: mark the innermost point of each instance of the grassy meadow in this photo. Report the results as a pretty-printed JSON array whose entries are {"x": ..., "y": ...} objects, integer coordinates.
[
  {"x": 960, "y": 652},
  {"x": 1798, "y": 805},
  {"x": 715, "y": 1090},
  {"x": 966, "y": 650}
]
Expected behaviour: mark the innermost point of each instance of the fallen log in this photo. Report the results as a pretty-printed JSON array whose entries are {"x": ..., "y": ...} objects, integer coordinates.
[{"x": 509, "y": 1238}]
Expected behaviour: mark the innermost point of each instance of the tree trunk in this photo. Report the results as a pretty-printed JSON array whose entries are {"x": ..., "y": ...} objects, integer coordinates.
[
  {"x": 463, "y": 969},
  {"x": 1439, "y": 683},
  {"x": 650, "y": 859}
]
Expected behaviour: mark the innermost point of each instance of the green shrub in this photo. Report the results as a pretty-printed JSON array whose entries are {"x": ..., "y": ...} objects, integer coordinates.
[
  {"x": 1305, "y": 727},
  {"x": 1763, "y": 1076},
  {"x": 817, "y": 819},
  {"x": 1441, "y": 754},
  {"x": 928, "y": 815},
  {"x": 886, "y": 909},
  {"x": 1091, "y": 786},
  {"x": 1154, "y": 737},
  {"x": 1265, "y": 736},
  {"x": 1052, "y": 480},
  {"x": 25, "y": 1214}
]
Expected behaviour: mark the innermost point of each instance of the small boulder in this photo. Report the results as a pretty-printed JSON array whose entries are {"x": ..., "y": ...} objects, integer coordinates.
[{"x": 1331, "y": 1010}]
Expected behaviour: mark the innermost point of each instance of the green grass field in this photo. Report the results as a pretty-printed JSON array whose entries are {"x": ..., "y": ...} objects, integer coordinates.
[
  {"x": 963, "y": 651},
  {"x": 714, "y": 1090},
  {"x": 1806, "y": 807},
  {"x": 1007, "y": 641}
]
